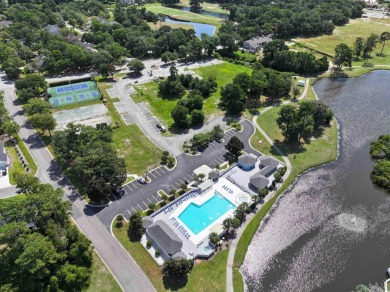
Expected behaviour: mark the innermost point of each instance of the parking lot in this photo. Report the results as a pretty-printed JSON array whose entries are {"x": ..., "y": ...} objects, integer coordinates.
[{"x": 137, "y": 196}]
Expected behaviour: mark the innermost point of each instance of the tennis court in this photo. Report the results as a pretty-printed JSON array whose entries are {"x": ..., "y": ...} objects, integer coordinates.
[{"x": 73, "y": 93}]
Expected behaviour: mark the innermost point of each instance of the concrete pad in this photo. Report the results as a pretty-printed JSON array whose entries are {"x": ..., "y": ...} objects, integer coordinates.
[
  {"x": 144, "y": 108},
  {"x": 128, "y": 119},
  {"x": 120, "y": 107},
  {"x": 203, "y": 169}
]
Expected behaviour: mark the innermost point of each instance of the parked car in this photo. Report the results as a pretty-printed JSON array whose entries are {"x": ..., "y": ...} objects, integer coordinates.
[
  {"x": 4, "y": 172},
  {"x": 161, "y": 127},
  {"x": 141, "y": 180},
  {"x": 119, "y": 191}
]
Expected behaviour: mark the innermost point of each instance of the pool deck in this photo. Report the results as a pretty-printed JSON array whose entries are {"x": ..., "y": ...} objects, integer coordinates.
[{"x": 196, "y": 245}]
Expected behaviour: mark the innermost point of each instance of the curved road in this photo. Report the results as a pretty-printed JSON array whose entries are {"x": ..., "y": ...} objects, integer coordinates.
[{"x": 121, "y": 264}]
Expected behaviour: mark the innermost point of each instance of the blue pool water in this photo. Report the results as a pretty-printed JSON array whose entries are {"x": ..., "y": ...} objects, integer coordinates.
[{"x": 197, "y": 218}]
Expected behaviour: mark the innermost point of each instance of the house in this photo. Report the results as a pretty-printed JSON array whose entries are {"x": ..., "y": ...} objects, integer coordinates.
[
  {"x": 268, "y": 165},
  {"x": 53, "y": 29},
  {"x": 301, "y": 83},
  {"x": 3, "y": 157},
  {"x": 255, "y": 44},
  {"x": 164, "y": 238},
  {"x": 247, "y": 161},
  {"x": 36, "y": 64},
  {"x": 258, "y": 181}
]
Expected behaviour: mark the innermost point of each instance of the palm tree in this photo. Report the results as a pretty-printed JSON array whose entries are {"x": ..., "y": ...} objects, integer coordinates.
[
  {"x": 214, "y": 238},
  {"x": 385, "y": 36}
]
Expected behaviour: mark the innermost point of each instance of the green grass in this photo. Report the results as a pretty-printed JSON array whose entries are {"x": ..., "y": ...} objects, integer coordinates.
[
  {"x": 137, "y": 150},
  {"x": 264, "y": 146},
  {"x": 206, "y": 276},
  {"x": 101, "y": 278},
  {"x": 172, "y": 25},
  {"x": 211, "y": 7},
  {"x": 161, "y": 106},
  {"x": 184, "y": 15},
  {"x": 30, "y": 161},
  {"x": 224, "y": 73},
  {"x": 103, "y": 86},
  {"x": 77, "y": 105},
  {"x": 16, "y": 166},
  {"x": 348, "y": 34},
  {"x": 321, "y": 150}
]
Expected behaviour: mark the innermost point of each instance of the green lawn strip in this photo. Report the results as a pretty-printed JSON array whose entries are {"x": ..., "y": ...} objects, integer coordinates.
[
  {"x": 207, "y": 276},
  {"x": 77, "y": 105},
  {"x": 138, "y": 151},
  {"x": 30, "y": 161},
  {"x": 319, "y": 151},
  {"x": 184, "y": 15},
  {"x": 16, "y": 166},
  {"x": 348, "y": 34},
  {"x": 264, "y": 146},
  {"x": 158, "y": 25},
  {"x": 103, "y": 86},
  {"x": 161, "y": 106},
  {"x": 129, "y": 179},
  {"x": 206, "y": 6},
  {"x": 101, "y": 277},
  {"x": 224, "y": 74}
]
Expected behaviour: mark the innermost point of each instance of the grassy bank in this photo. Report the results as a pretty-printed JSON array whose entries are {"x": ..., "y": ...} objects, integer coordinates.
[
  {"x": 206, "y": 276},
  {"x": 30, "y": 161},
  {"x": 138, "y": 151},
  {"x": 321, "y": 150},
  {"x": 16, "y": 166},
  {"x": 101, "y": 278},
  {"x": 159, "y": 24},
  {"x": 184, "y": 15}
]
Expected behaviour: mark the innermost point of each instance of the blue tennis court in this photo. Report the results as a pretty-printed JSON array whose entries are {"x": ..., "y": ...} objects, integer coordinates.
[{"x": 81, "y": 96}]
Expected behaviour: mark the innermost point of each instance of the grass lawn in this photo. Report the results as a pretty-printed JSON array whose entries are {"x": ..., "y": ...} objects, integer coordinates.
[
  {"x": 184, "y": 15},
  {"x": 348, "y": 34},
  {"x": 137, "y": 150},
  {"x": 101, "y": 278},
  {"x": 161, "y": 106},
  {"x": 261, "y": 144},
  {"x": 103, "y": 86},
  {"x": 173, "y": 25},
  {"x": 16, "y": 166},
  {"x": 207, "y": 276},
  {"x": 211, "y": 7},
  {"x": 30, "y": 161},
  {"x": 321, "y": 150},
  {"x": 224, "y": 73}
]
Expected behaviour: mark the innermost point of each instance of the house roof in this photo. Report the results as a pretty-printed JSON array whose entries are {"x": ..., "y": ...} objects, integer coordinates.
[
  {"x": 247, "y": 159},
  {"x": 166, "y": 238},
  {"x": 53, "y": 29},
  {"x": 268, "y": 163},
  {"x": 257, "y": 41},
  {"x": 259, "y": 181},
  {"x": 147, "y": 221},
  {"x": 179, "y": 256}
]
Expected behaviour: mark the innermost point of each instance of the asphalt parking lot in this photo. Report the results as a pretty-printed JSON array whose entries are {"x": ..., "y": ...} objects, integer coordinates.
[{"x": 137, "y": 196}]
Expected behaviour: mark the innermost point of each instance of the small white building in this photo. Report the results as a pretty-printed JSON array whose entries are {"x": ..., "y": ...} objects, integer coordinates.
[{"x": 301, "y": 83}]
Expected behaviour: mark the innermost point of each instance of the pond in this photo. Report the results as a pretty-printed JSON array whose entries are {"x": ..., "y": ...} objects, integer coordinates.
[
  {"x": 330, "y": 231},
  {"x": 198, "y": 27},
  {"x": 203, "y": 12}
]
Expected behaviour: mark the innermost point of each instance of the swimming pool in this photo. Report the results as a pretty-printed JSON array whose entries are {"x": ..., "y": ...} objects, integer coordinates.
[{"x": 198, "y": 217}]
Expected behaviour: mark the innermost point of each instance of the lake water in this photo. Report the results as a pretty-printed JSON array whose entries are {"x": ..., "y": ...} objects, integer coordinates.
[
  {"x": 203, "y": 12},
  {"x": 331, "y": 230},
  {"x": 198, "y": 27}
]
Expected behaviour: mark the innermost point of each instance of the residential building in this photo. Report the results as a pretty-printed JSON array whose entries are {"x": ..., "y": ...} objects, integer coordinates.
[{"x": 255, "y": 44}]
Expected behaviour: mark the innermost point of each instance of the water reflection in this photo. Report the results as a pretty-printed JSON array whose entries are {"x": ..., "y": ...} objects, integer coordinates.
[
  {"x": 198, "y": 27},
  {"x": 311, "y": 241}
]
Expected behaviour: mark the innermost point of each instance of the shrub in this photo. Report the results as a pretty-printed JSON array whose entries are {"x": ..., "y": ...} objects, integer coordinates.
[
  {"x": 148, "y": 243},
  {"x": 119, "y": 218},
  {"x": 171, "y": 198},
  {"x": 119, "y": 224},
  {"x": 164, "y": 197},
  {"x": 157, "y": 253},
  {"x": 151, "y": 206}
]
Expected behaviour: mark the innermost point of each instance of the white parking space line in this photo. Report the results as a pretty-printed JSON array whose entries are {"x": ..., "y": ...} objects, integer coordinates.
[
  {"x": 128, "y": 212},
  {"x": 159, "y": 171},
  {"x": 177, "y": 184},
  {"x": 144, "y": 204},
  {"x": 152, "y": 174},
  {"x": 134, "y": 209},
  {"x": 162, "y": 169},
  {"x": 139, "y": 207},
  {"x": 149, "y": 200},
  {"x": 155, "y": 198},
  {"x": 127, "y": 186},
  {"x": 133, "y": 184}
]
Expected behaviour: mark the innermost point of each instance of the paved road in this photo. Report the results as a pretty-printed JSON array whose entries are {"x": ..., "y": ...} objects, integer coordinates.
[
  {"x": 8, "y": 192},
  {"x": 138, "y": 196},
  {"x": 123, "y": 267}
]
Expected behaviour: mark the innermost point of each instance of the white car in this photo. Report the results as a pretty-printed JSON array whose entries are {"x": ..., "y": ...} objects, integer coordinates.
[
  {"x": 388, "y": 271},
  {"x": 141, "y": 180}
]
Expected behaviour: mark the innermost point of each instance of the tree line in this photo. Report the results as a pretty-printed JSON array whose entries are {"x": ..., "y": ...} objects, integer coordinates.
[
  {"x": 40, "y": 248},
  {"x": 380, "y": 151}
]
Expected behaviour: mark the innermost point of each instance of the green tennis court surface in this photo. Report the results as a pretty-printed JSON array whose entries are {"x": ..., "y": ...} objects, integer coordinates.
[{"x": 73, "y": 93}]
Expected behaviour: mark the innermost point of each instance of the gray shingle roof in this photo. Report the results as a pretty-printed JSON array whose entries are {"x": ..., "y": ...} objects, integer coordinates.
[
  {"x": 247, "y": 159},
  {"x": 268, "y": 163},
  {"x": 147, "y": 221},
  {"x": 259, "y": 181},
  {"x": 214, "y": 174},
  {"x": 166, "y": 238}
]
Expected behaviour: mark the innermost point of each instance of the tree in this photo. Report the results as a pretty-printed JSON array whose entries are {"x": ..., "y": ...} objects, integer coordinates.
[
  {"x": 296, "y": 92},
  {"x": 10, "y": 127},
  {"x": 234, "y": 146},
  {"x": 103, "y": 70},
  {"x": 181, "y": 117},
  {"x": 217, "y": 133},
  {"x": 227, "y": 223},
  {"x": 370, "y": 44},
  {"x": 197, "y": 117},
  {"x": 12, "y": 72},
  {"x": 196, "y": 5},
  {"x": 287, "y": 122},
  {"x": 26, "y": 183},
  {"x": 44, "y": 122},
  {"x": 235, "y": 223},
  {"x": 343, "y": 55},
  {"x": 214, "y": 238},
  {"x": 358, "y": 47},
  {"x": 232, "y": 97},
  {"x": 136, "y": 66},
  {"x": 35, "y": 83},
  {"x": 177, "y": 269},
  {"x": 385, "y": 36},
  {"x": 36, "y": 106},
  {"x": 135, "y": 226},
  {"x": 241, "y": 210},
  {"x": 262, "y": 192}
]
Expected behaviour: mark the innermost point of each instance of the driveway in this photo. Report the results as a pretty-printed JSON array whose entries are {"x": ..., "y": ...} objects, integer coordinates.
[
  {"x": 120, "y": 263},
  {"x": 138, "y": 196}
]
